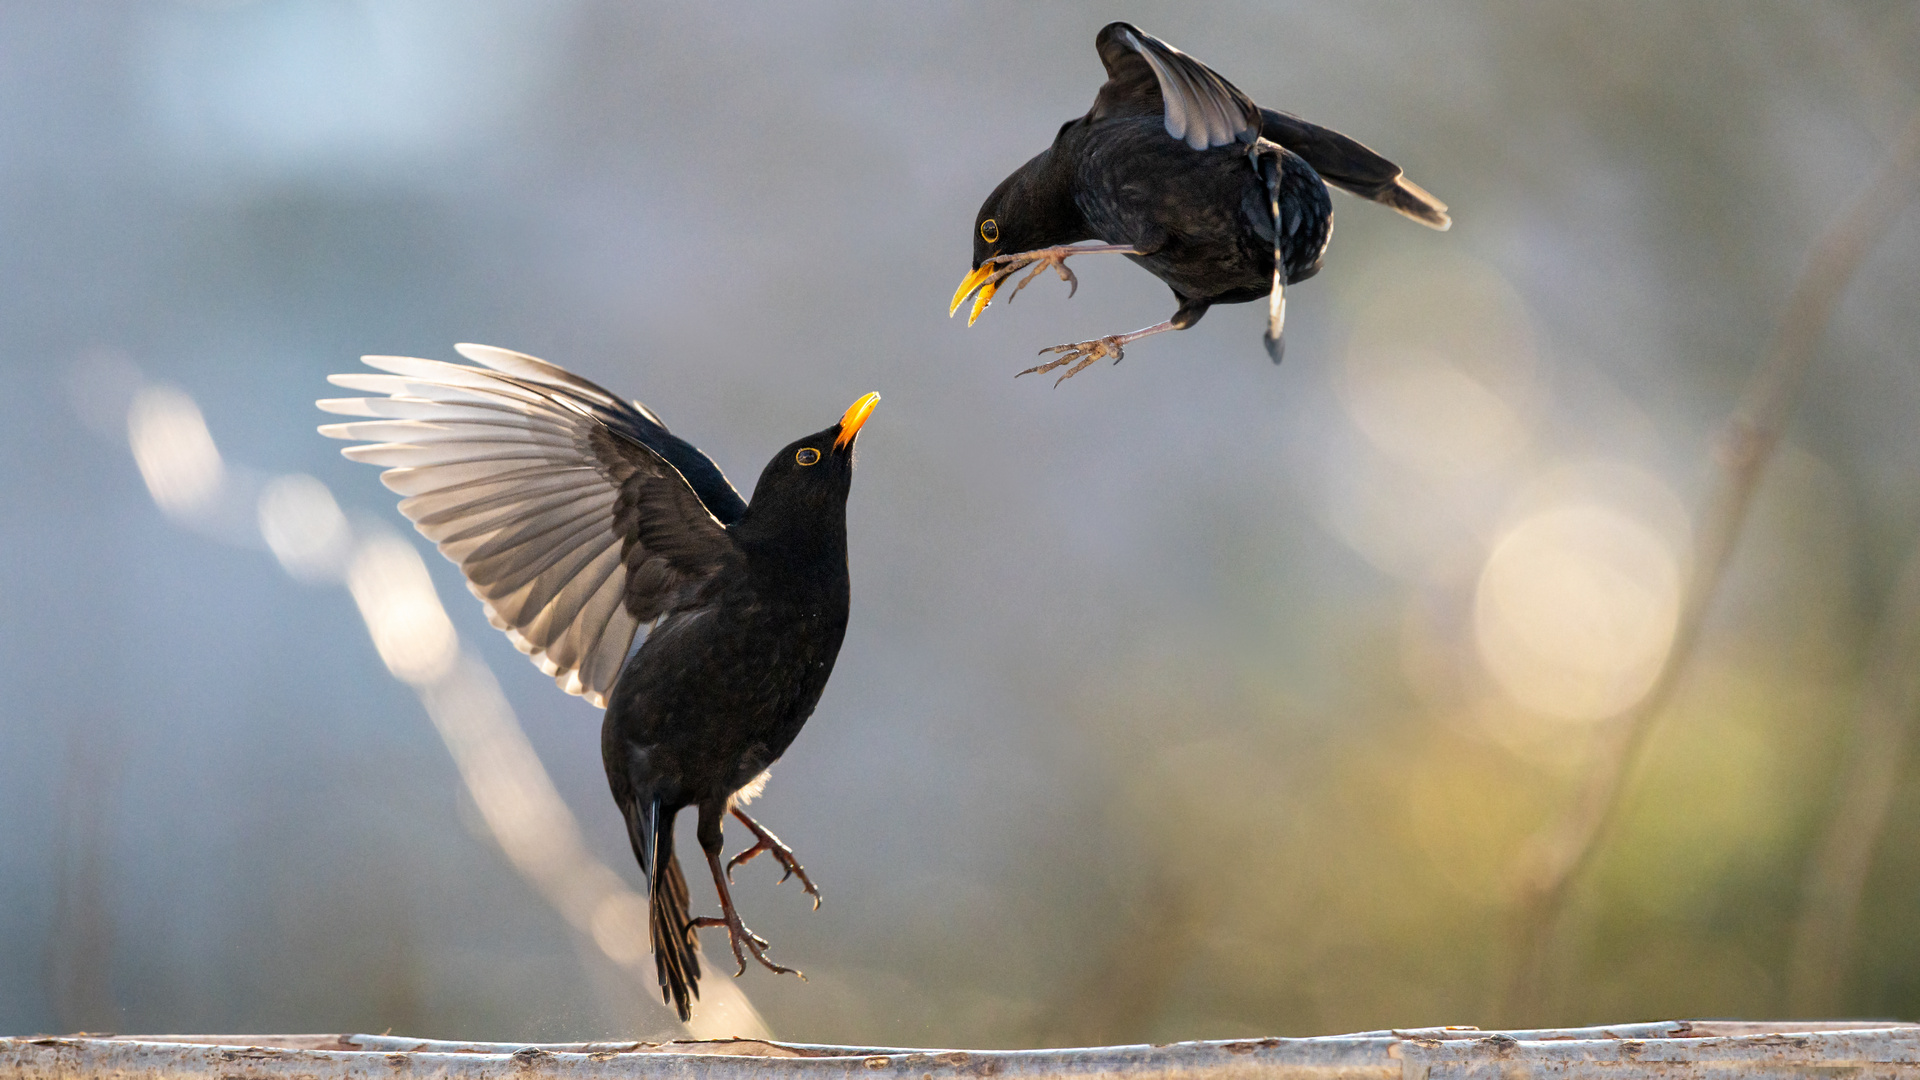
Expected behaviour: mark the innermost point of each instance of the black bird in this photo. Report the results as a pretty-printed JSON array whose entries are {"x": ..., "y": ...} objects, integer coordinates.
[
  {"x": 577, "y": 518},
  {"x": 1178, "y": 170}
]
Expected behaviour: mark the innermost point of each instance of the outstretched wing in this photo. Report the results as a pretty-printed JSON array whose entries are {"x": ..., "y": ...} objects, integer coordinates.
[
  {"x": 1147, "y": 76},
  {"x": 1347, "y": 164},
  {"x": 575, "y": 516}
]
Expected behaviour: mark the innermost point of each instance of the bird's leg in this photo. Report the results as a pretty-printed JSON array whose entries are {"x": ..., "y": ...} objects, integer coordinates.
[
  {"x": 1082, "y": 353},
  {"x": 988, "y": 275},
  {"x": 764, "y": 840},
  {"x": 742, "y": 940}
]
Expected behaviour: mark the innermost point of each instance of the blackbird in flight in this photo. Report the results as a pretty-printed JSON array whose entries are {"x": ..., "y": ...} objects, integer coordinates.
[
  {"x": 1178, "y": 170},
  {"x": 577, "y": 519}
]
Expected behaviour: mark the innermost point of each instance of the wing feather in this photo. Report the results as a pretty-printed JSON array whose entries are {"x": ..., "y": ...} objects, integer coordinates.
[
  {"x": 1146, "y": 76},
  {"x": 575, "y": 516}
]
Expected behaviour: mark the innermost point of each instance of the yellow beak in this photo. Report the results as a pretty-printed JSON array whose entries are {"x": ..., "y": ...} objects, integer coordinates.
[
  {"x": 855, "y": 416},
  {"x": 980, "y": 278}
]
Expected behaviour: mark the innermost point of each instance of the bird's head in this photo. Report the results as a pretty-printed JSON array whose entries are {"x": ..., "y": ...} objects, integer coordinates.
[
  {"x": 810, "y": 476},
  {"x": 998, "y": 229}
]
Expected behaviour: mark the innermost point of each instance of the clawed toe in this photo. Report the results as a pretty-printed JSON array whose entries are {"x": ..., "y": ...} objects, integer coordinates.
[
  {"x": 743, "y": 942},
  {"x": 1079, "y": 354},
  {"x": 765, "y": 841},
  {"x": 1041, "y": 260},
  {"x": 788, "y": 864}
]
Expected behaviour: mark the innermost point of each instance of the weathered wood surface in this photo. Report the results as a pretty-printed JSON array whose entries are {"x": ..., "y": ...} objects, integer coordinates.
[{"x": 1671, "y": 1049}]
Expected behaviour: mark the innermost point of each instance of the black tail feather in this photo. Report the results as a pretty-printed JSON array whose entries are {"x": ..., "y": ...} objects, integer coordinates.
[
  {"x": 1346, "y": 163},
  {"x": 675, "y": 954},
  {"x": 1413, "y": 200}
]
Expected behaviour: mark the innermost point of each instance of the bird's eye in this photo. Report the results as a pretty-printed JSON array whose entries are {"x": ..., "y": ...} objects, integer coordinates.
[
  {"x": 807, "y": 455},
  {"x": 990, "y": 231}
]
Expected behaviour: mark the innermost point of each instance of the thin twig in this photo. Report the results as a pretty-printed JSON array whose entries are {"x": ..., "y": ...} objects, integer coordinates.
[
  {"x": 1559, "y": 855},
  {"x": 1837, "y": 872}
]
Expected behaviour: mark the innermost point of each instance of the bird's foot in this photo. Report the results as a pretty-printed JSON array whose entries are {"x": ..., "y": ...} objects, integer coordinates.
[
  {"x": 1040, "y": 260},
  {"x": 743, "y": 941},
  {"x": 1079, "y": 354},
  {"x": 1082, "y": 353},
  {"x": 764, "y": 840}
]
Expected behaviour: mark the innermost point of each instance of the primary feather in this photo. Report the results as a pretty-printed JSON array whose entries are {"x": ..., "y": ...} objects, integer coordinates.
[{"x": 575, "y": 516}]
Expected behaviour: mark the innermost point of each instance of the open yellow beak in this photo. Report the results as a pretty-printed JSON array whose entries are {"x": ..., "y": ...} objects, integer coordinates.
[
  {"x": 855, "y": 416},
  {"x": 979, "y": 279}
]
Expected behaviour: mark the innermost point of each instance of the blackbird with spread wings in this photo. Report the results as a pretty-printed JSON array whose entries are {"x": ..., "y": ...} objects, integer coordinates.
[
  {"x": 578, "y": 519},
  {"x": 1178, "y": 170}
]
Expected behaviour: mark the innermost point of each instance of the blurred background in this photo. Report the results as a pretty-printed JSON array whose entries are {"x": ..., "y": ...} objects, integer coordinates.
[{"x": 1195, "y": 698}]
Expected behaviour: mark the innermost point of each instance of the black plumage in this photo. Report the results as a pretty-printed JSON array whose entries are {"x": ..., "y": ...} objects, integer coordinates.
[
  {"x": 577, "y": 518},
  {"x": 1178, "y": 170}
]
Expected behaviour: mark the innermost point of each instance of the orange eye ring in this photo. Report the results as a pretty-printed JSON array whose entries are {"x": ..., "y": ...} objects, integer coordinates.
[
  {"x": 990, "y": 231},
  {"x": 806, "y": 455}
]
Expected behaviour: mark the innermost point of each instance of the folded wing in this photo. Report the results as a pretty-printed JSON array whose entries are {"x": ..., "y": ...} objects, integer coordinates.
[
  {"x": 1147, "y": 76},
  {"x": 575, "y": 516}
]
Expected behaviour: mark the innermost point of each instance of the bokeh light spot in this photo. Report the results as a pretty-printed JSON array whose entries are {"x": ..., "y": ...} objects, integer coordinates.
[
  {"x": 1423, "y": 410},
  {"x": 174, "y": 450},
  {"x": 304, "y": 526},
  {"x": 1575, "y": 610},
  {"x": 389, "y": 582},
  {"x": 1439, "y": 374}
]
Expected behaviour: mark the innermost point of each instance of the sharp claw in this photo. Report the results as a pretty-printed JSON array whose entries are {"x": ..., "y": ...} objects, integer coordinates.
[{"x": 1066, "y": 275}]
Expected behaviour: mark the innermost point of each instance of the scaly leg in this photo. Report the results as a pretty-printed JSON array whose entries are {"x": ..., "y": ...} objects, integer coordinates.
[
  {"x": 741, "y": 939},
  {"x": 988, "y": 275},
  {"x": 1082, "y": 353},
  {"x": 764, "y": 840}
]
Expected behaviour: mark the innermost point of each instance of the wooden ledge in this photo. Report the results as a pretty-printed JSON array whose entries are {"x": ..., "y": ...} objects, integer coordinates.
[{"x": 1673, "y": 1050}]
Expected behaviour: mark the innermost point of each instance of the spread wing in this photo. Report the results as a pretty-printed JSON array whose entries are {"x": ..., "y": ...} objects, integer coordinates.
[
  {"x": 1347, "y": 164},
  {"x": 1147, "y": 76},
  {"x": 575, "y": 516}
]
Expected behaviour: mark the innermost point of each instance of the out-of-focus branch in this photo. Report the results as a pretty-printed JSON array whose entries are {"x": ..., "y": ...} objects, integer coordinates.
[
  {"x": 1558, "y": 856},
  {"x": 1882, "y": 738}
]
